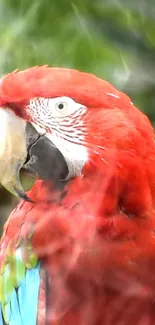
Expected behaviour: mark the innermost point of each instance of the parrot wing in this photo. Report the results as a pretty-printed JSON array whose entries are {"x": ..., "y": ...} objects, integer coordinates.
[{"x": 19, "y": 289}]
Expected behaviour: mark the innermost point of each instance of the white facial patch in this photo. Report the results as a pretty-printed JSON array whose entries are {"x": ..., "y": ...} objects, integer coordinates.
[
  {"x": 62, "y": 120},
  {"x": 75, "y": 155}
]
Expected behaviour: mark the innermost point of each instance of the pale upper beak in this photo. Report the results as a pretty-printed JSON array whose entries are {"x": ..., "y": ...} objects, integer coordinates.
[{"x": 22, "y": 146}]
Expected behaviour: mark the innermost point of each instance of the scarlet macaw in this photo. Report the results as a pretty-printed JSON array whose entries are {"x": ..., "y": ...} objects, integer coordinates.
[{"x": 79, "y": 249}]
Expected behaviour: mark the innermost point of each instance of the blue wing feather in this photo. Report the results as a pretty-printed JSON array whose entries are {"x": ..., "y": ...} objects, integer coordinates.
[
  {"x": 28, "y": 296},
  {"x": 15, "y": 316},
  {"x": 1, "y": 320}
]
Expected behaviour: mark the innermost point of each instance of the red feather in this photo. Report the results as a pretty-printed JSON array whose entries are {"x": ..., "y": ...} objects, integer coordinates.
[{"x": 47, "y": 82}]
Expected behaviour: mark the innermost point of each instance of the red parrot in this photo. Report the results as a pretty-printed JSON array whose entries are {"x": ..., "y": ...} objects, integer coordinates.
[{"x": 79, "y": 249}]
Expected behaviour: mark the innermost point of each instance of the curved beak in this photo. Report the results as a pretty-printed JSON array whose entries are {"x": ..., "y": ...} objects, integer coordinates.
[{"x": 21, "y": 146}]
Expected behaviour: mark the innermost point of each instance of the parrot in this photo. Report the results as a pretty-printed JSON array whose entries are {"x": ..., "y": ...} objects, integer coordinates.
[{"x": 79, "y": 248}]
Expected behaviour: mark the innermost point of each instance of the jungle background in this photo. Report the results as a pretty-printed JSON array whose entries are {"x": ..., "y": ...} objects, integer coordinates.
[{"x": 114, "y": 39}]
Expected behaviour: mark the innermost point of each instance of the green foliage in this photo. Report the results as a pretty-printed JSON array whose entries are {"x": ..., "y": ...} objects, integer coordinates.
[{"x": 114, "y": 39}]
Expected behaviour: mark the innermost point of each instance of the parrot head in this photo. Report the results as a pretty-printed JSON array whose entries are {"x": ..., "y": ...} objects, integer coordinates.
[{"x": 59, "y": 124}]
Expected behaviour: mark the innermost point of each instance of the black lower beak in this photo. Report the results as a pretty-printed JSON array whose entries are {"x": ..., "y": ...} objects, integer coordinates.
[{"x": 44, "y": 160}]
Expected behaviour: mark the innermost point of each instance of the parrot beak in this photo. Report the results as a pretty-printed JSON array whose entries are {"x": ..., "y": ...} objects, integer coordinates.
[
  {"x": 21, "y": 146},
  {"x": 12, "y": 151}
]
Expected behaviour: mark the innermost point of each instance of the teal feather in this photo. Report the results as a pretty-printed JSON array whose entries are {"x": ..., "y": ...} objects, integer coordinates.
[
  {"x": 28, "y": 296},
  {"x": 15, "y": 317},
  {"x": 1, "y": 320}
]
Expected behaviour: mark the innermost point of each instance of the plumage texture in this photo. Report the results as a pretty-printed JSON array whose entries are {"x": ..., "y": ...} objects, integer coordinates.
[
  {"x": 19, "y": 288},
  {"x": 93, "y": 234}
]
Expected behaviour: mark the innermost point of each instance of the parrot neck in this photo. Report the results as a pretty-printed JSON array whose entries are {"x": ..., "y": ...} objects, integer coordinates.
[
  {"x": 87, "y": 191},
  {"x": 82, "y": 188},
  {"x": 46, "y": 191}
]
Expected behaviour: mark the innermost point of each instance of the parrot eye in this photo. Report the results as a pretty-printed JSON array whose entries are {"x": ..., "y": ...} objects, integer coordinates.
[{"x": 61, "y": 106}]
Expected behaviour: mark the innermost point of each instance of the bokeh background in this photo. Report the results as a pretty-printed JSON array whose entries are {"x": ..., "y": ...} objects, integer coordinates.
[{"x": 115, "y": 39}]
